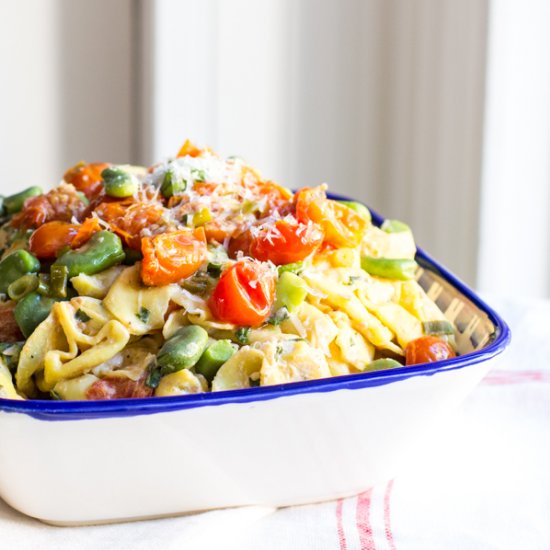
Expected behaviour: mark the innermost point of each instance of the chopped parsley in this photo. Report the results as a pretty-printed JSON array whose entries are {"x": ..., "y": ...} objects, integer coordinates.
[
  {"x": 242, "y": 334},
  {"x": 278, "y": 317},
  {"x": 143, "y": 314},
  {"x": 82, "y": 316}
]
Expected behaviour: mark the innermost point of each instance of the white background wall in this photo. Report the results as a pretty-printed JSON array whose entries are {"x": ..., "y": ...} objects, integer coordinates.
[
  {"x": 383, "y": 99},
  {"x": 66, "y": 88}
]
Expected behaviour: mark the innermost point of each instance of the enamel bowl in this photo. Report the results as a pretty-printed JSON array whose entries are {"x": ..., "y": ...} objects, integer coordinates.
[{"x": 80, "y": 462}]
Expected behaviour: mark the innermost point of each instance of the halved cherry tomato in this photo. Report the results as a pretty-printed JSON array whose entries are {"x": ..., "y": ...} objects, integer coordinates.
[
  {"x": 85, "y": 230},
  {"x": 128, "y": 218},
  {"x": 118, "y": 388},
  {"x": 427, "y": 349},
  {"x": 62, "y": 203},
  {"x": 86, "y": 177},
  {"x": 46, "y": 242},
  {"x": 342, "y": 225},
  {"x": 189, "y": 149},
  {"x": 244, "y": 294},
  {"x": 286, "y": 241},
  {"x": 170, "y": 257}
]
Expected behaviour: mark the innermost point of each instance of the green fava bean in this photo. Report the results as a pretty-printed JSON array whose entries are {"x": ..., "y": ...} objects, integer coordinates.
[
  {"x": 389, "y": 268},
  {"x": 31, "y": 310},
  {"x": 214, "y": 356},
  {"x": 103, "y": 250},
  {"x": 172, "y": 185},
  {"x": 14, "y": 203},
  {"x": 394, "y": 226},
  {"x": 383, "y": 364},
  {"x": 361, "y": 209},
  {"x": 183, "y": 350},
  {"x": 119, "y": 183},
  {"x": 14, "y": 266},
  {"x": 291, "y": 291}
]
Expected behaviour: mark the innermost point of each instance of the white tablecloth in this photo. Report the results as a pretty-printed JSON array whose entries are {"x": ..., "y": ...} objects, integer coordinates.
[{"x": 483, "y": 485}]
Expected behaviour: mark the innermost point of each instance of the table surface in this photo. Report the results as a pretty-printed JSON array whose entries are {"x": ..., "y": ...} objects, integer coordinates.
[{"x": 484, "y": 484}]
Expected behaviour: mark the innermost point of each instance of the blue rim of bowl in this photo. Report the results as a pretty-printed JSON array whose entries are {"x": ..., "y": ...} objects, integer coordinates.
[{"x": 81, "y": 410}]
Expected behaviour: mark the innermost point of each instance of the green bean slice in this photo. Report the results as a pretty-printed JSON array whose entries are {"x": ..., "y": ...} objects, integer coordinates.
[
  {"x": 389, "y": 268},
  {"x": 16, "y": 265},
  {"x": 22, "y": 286}
]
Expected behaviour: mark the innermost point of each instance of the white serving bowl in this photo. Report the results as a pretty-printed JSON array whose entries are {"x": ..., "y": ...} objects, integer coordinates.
[{"x": 99, "y": 461}]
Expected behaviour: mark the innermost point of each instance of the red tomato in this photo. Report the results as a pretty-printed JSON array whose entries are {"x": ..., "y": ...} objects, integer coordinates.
[
  {"x": 118, "y": 388},
  {"x": 170, "y": 257},
  {"x": 85, "y": 230},
  {"x": 427, "y": 349},
  {"x": 61, "y": 203},
  {"x": 342, "y": 225},
  {"x": 244, "y": 294},
  {"x": 46, "y": 242},
  {"x": 128, "y": 218},
  {"x": 86, "y": 177},
  {"x": 286, "y": 241}
]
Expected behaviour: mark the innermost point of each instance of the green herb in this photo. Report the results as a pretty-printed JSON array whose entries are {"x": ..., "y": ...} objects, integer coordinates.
[
  {"x": 242, "y": 335},
  {"x": 153, "y": 378},
  {"x": 278, "y": 317},
  {"x": 198, "y": 175},
  {"x": 82, "y": 316},
  {"x": 143, "y": 314}
]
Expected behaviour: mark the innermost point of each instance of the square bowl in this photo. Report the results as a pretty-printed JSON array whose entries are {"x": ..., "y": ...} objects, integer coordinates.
[{"x": 71, "y": 463}]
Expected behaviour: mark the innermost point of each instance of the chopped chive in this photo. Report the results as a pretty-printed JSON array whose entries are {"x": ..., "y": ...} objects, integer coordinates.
[
  {"x": 143, "y": 314},
  {"x": 82, "y": 316},
  {"x": 242, "y": 335}
]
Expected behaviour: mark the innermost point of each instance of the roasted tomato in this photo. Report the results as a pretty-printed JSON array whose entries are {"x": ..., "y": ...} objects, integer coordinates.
[
  {"x": 46, "y": 242},
  {"x": 427, "y": 349},
  {"x": 342, "y": 225},
  {"x": 118, "y": 388},
  {"x": 62, "y": 204},
  {"x": 9, "y": 329},
  {"x": 128, "y": 218},
  {"x": 85, "y": 230},
  {"x": 189, "y": 149},
  {"x": 285, "y": 241},
  {"x": 244, "y": 294},
  {"x": 170, "y": 257},
  {"x": 87, "y": 177}
]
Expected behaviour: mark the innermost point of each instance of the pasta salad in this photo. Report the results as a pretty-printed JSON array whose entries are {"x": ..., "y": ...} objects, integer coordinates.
[{"x": 197, "y": 275}]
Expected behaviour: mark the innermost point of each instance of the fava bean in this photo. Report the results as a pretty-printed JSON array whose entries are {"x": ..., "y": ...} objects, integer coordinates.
[
  {"x": 31, "y": 310},
  {"x": 103, "y": 250},
  {"x": 119, "y": 183},
  {"x": 14, "y": 266},
  {"x": 15, "y": 203},
  {"x": 383, "y": 364},
  {"x": 214, "y": 356},
  {"x": 183, "y": 350},
  {"x": 394, "y": 226},
  {"x": 291, "y": 291},
  {"x": 389, "y": 268}
]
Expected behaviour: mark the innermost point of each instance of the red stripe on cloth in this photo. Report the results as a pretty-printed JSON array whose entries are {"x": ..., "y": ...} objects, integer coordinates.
[
  {"x": 362, "y": 515},
  {"x": 516, "y": 377},
  {"x": 340, "y": 525},
  {"x": 387, "y": 516}
]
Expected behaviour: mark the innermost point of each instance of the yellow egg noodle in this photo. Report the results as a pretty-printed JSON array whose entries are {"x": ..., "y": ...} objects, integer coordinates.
[{"x": 117, "y": 334}]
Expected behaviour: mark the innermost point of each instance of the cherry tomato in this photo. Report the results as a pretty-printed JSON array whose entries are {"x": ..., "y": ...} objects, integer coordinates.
[
  {"x": 286, "y": 241},
  {"x": 244, "y": 294},
  {"x": 170, "y": 257},
  {"x": 128, "y": 218},
  {"x": 85, "y": 230},
  {"x": 189, "y": 149},
  {"x": 240, "y": 242},
  {"x": 118, "y": 388},
  {"x": 46, "y": 242},
  {"x": 342, "y": 225},
  {"x": 427, "y": 349},
  {"x": 86, "y": 177},
  {"x": 61, "y": 203}
]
